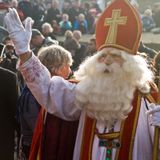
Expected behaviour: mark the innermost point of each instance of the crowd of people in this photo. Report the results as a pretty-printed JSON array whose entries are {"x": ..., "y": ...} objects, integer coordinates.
[
  {"x": 150, "y": 20},
  {"x": 70, "y": 15},
  {"x": 73, "y": 15},
  {"x": 73, "y": 100}
]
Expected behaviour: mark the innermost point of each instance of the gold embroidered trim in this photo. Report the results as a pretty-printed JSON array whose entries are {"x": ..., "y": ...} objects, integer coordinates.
[
  {"x": 91, "y": 139},
  {"x": 109, "y": 135},
  {"x": 135, "y": 125}
]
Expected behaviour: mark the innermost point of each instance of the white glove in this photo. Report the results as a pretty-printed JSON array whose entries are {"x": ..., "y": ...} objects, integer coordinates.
[
  {"x": 154, "y": 113},
  {"x": 20, "y": 35}
]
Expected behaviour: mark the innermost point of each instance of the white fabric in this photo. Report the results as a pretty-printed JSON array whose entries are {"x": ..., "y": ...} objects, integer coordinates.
[
  {"x": 20, "y": 35},
  {"x": 53, "y": 93},
  {"x": 59, "y": 95},
  {"x": 154, "y": 115}
]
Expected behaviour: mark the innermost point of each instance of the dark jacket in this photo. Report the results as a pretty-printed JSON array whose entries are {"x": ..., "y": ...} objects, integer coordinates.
[
  {"x": 151, "y": 53},
  {"x": 8, "y": 100}
]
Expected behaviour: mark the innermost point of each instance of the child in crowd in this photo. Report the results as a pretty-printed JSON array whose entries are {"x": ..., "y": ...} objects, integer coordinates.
[
  {"x": 56, "y": 132},
  {"x": 65, "y": 24},
  {"x": 148, "y": 21}
]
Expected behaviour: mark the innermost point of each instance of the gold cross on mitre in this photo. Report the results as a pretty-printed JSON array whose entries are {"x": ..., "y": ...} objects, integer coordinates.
[{"x": 113, "y": 23}]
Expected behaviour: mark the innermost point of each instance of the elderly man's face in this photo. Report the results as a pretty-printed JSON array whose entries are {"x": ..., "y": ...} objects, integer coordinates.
[{"x": 110, "y": 58}]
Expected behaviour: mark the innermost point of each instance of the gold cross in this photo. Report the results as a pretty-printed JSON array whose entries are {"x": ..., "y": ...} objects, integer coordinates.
[{"x": 113, "y": 23}]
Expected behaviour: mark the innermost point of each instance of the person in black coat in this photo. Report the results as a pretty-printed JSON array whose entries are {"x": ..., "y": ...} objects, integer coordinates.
[
  {"x": 151, "y": 53},
  {"x": 8, "y": 125}
]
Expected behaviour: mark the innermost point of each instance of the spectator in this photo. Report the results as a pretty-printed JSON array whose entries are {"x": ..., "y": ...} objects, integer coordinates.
[
  {"x": 66, "y": 7},
  {"x": 28, "y": 109},
  {"x": 8, "y": 124},
  {"x": 91, "y": 47},
  {"x": 77, "y": 35},
  {"x": 70, "y": 43},
  {"x": 156, "y": 15},
  {"x": 81, "y": 24},
  {"x": 38, "y": 41},
  {"x": 79, "y": 55},
  {"x": 96, "y": 6},
  {"x": 26, "y": 7},
  {"x": 10, "y": 59},
  {"x": 47, "y": 31},
  {"x": 8, "y": 42},
  {"x": 147, "y": 21},
  {"x": 74, "y": 11},
  {"x": 38, "y": 12},
  {"x": 14, "y": 4},
  {"x": 56, "y": 27},
  {"x": 90, "y": 15},
  {"x": 95, "y": 21},
  {"x": 65, "y": 24},
  {"x": 53, "y": 13},
  {"x": 156, "y": 64},
  {"x": 151, "y": 53}
]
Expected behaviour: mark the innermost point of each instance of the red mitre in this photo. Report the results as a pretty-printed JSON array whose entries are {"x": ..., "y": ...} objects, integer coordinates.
[{"x": 120, "y": 27}]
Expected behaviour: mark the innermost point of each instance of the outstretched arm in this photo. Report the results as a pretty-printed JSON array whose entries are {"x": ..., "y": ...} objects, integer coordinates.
[{"x": 55, "y": 94}]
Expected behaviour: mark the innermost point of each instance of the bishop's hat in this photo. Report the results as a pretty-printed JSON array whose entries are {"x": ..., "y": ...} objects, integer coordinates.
[{"x": 119, "y": 26}]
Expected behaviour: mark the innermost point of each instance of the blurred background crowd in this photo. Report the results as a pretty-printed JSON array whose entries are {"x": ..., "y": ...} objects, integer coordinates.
[{"x": 62, "y": 15}]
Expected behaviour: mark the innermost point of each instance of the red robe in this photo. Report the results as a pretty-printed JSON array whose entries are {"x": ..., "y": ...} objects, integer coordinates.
[{"x": 53, "y": 140}]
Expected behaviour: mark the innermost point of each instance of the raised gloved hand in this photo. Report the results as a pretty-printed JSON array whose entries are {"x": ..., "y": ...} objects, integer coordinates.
[
  {"x": 154, "y": 113},
  {"x": 20, "y": 35}
]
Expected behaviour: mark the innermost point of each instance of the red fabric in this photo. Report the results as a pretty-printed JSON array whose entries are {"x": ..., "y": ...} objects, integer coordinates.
[
  {"x": 127, "y": 140},
  {"x": 37, "y": 137},
  {"x": 127, "y": 35},
  {"x": 56, "y": 139},
  {"x": 59, "y": 139},
  {"x": 87, "y": 139}
]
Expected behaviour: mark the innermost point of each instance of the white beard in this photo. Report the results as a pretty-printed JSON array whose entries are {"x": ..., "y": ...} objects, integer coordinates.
[{"x": 106, "y": 96}]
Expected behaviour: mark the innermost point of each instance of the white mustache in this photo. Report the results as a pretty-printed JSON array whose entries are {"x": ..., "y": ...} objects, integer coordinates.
[{"x": 103, "y": 68}]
